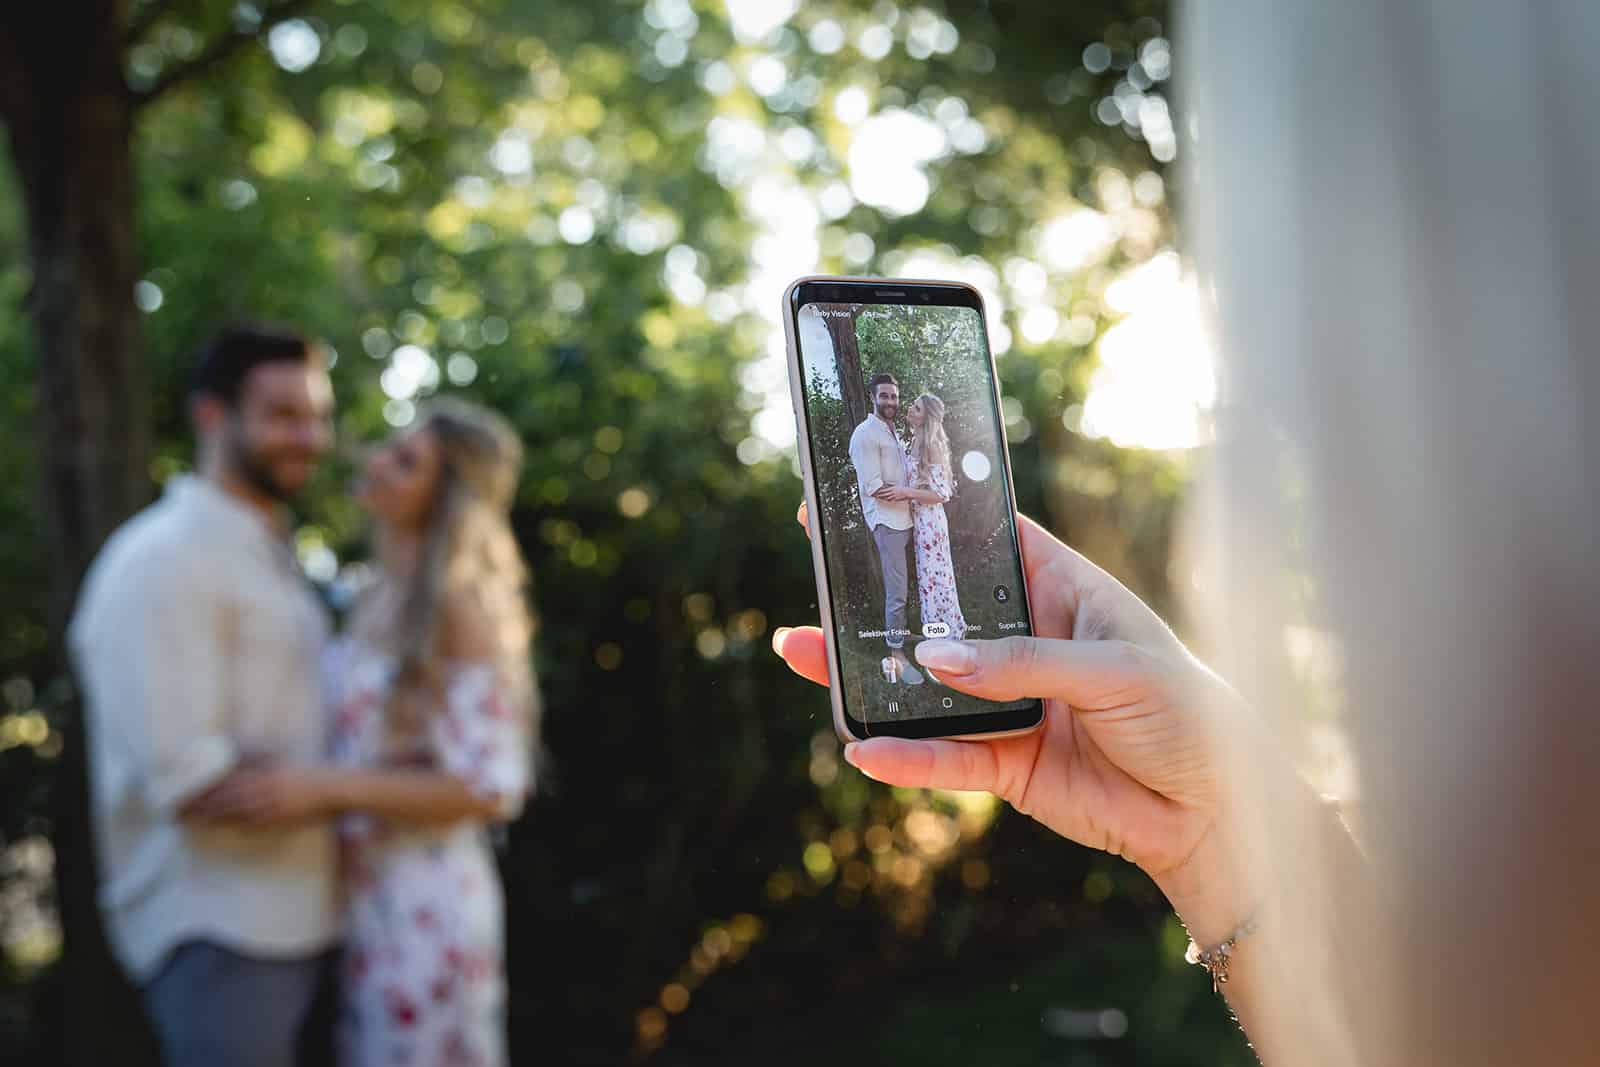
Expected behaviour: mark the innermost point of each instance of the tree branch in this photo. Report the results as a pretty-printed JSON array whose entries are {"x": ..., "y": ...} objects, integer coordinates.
[{"x": 220, "y": 51}]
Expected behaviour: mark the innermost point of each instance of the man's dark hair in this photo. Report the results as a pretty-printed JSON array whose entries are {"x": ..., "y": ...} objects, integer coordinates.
[
  {"x": 880, "y": 379},
  {"x": 234, "y": 351}
]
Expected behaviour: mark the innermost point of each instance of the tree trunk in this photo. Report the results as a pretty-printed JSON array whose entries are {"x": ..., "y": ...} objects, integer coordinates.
[
  {"x": 857, "y": 406},
  {"x": 69, "y": 118},
  {"x": 847, "y": 357}
]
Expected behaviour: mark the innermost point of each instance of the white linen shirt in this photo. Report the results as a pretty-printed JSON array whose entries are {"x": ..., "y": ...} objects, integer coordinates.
[
  {"x": 879, "y": 458},
  {"x": 197, "y": 643}
]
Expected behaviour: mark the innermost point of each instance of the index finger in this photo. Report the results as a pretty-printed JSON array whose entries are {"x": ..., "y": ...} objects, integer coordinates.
[{"x": 804, "y": 650}]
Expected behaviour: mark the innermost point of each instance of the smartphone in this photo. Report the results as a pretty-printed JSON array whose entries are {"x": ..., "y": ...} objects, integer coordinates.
[{"x": 908, "y": 488}]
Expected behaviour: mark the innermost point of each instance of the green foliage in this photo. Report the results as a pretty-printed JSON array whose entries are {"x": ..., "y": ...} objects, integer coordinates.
[{"x": 542, "y": 206}]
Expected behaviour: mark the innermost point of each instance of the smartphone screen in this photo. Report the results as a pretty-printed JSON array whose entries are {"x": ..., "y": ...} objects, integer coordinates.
[{"x": 913, "y": 491}]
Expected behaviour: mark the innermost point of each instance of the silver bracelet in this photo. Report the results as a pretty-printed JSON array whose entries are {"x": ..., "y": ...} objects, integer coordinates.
[{"x": 1215, "y": 959}]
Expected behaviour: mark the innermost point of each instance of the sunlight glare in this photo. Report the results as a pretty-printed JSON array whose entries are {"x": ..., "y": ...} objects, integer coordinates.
[
  {"x": 767, "y": 75},
  {"x": 1070, "y": 241},
  {"x": 754, "y": 19},
  {"x": 851, "y": 105},
  {"x": 886, "y": 160},
  {"x": 1156, "y": 382},
  {"x": 787, "y": 246},
  {"x": 1039, "y": 324}
]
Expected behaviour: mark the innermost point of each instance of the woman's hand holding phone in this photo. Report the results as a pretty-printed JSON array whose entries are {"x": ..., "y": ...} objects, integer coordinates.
[{"x": 1127, "y": 759}]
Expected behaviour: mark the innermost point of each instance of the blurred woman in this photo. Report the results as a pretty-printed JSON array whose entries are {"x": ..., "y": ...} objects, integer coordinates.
[
  {"x": 434, "y": 724},
  {"x": 434, "y": 676},
  {"x": 931, "y": 488}
]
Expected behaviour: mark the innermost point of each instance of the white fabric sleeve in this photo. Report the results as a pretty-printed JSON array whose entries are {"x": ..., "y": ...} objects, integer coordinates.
[
  {"x": 168, "y": 669},
  {"x": 482, "y": 737},
  {"x": 864, "y": 458}
]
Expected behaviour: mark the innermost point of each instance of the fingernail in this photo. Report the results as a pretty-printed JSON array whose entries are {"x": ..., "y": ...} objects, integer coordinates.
[
  {"x": 850, "y": 754},
  {"x": 777, "y": 638},
  {"x": 953, "y": 657}
]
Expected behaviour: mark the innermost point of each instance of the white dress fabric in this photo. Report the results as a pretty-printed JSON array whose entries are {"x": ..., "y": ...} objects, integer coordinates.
[
  {"x": 936, "y": 575},
  {"x": 424, "y": 977}
]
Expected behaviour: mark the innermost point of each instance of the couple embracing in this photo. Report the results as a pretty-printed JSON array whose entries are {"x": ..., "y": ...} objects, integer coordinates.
[
  {"x": 264, "y": 793},
  {"x": 903, "y": 490}
]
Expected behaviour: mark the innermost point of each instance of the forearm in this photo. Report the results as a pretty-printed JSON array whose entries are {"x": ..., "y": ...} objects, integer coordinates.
[
  {"x": 404, "y": 795},
  {"x": 1307, "y": 897},
  {"x": 1215, "y": 902}
]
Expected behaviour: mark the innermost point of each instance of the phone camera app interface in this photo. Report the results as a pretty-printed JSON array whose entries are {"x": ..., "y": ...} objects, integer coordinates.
[{"x": 916, "y": 519}]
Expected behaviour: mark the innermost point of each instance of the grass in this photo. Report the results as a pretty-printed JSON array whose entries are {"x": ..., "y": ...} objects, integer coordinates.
[{"x": 1114, "y": 1000}]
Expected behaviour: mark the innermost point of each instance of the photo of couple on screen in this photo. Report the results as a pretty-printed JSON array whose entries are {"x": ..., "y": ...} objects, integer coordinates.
[
  {"x": 904, "y": 487},
  {"x": 907, "y": 448}
]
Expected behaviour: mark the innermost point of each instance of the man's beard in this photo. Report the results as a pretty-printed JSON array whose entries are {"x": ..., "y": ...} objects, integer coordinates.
[
  {"x": 887, "y": 412},
  {"x": 255, "y": 468}
]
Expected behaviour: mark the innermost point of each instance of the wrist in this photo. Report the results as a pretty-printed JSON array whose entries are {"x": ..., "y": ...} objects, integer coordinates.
[
  {"x": 1213, "y": 890},
  {"x": 1245, "y": 853},
  {"x": 1257, "y": 848}
]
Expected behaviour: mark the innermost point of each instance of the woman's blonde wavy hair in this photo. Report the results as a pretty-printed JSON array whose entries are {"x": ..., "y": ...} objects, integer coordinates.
[
  {"x": 929, "y": 445},
  {"x": 467, "y": 545}
]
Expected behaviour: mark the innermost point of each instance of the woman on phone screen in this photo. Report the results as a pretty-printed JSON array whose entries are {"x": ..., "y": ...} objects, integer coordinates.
[{"x": 930, "y": 489}]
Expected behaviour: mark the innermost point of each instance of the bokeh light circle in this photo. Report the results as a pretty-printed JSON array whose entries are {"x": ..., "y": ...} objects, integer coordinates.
[{"x": 976, "y": 466}]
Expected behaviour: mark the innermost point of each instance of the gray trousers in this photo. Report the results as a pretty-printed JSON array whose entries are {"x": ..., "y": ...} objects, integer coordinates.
[
  {"x": 892, "y": 546},
  {"x": 210, "y": 1007}
]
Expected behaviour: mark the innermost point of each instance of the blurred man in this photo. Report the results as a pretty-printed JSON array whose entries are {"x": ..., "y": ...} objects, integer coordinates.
[
  {"x": 197, "y": 643},
  {"x": 879, "y": 457}
]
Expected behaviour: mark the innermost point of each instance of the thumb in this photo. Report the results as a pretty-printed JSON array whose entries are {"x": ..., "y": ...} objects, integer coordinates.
[
  {"x": 964, "y": 765},
  {"x": 1086, "y": 674}
]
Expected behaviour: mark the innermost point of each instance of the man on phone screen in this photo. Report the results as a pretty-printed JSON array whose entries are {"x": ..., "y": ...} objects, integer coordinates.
[{"x": 879, "y": 457}]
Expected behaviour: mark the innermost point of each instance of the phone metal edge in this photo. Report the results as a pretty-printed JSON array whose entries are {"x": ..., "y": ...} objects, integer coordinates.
[
  {"x": 819, "y": 565},
  {"x": 808, "y": 481}
]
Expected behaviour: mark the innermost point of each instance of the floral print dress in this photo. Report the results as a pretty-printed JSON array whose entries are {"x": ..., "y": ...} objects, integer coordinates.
[
  {"x": 424, "y": 977},
  {"x": 936, "y": 575}
]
